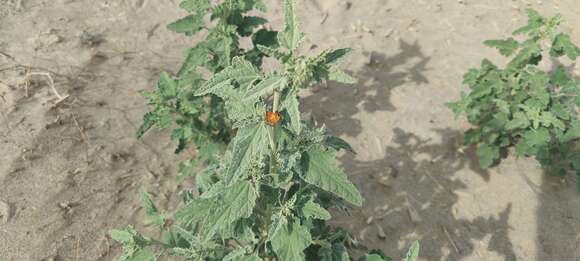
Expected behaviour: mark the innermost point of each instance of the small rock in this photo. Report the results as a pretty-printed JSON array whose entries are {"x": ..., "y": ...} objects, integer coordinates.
[
  {"x": 91, "y": 39},
  {"x": 363, "y": 234},
  {"x": 4, "y": 212},
  {"x": 64, "y": 205},
  {"x": 381, "y": 232},
  {"x": 370, "y": 220},
  {"x": 413, "y": 215}
]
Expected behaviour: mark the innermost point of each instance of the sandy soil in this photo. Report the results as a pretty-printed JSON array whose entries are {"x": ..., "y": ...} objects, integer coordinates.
[{"x": 70, "y": 170}]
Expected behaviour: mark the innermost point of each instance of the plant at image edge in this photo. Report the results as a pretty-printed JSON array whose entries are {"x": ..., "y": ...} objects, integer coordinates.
[
  {"x": 268, "y": 196},
  {"x": 523, "y": 106}
]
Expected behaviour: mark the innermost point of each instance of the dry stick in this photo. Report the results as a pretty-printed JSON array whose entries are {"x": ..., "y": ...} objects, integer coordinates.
[
  {"x": 50, "y": 81},
  {"x": 450, "y": 239},
  {"x": 83, "y": 137}
]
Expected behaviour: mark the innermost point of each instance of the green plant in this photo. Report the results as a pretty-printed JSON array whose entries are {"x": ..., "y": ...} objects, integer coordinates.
[
  {"x": 522, "y": 105},
  {"x": 202, "y": 119},
  {"x": 268, "y": 195}
]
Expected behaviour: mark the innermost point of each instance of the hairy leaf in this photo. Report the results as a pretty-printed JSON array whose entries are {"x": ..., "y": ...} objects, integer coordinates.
[
  {"x": 505, "y": 47},
  {"x": 188, "y": 25},
  {"x": 323, "y": 172},
  {"x": 291, "y": 37},
  {"x": 290, "y": 242},
  {"x": 152, "y": 211}
]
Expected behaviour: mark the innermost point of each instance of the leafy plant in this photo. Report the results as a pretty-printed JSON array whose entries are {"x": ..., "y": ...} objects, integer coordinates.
[
  {"x": 522, "y": 105},
  {"x": 268, "y": 195},
  {"x": 202, "y": 119}
]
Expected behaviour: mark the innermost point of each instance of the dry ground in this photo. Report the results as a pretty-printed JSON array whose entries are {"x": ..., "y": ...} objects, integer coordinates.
[{"x": 70, "y": 170}]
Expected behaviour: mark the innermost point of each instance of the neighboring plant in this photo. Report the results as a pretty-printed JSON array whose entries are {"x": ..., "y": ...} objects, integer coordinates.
[
  {"x": 522, "y": 105},
  {"x": 268, "y": 195}
]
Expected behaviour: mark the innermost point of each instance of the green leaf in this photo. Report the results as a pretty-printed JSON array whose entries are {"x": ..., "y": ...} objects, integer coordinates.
[
  {"x": 149, "y": 120},
  {"x": 240, "y": 71},
  {"x": 291, "y": 241},
  {"x": 238, "y": 202},
  {"x": 292, "y": 106},
  {"x": 279, "y": 221},
  {"x": 336, "y": 252},
  {"x": 560, "y": 77},
  {"x": 188, "y": 25},
  {"x": 199, "y": 6},
  {"x": 322, "y": 171},
  {"x": 535, "y": 22},
  {"x": 291, "y": 37},
  {"x": 338, "y": 144},
  {"x": 537, "y": 138},
  {"x": 413, "y": 252},
  {"x": 313, "y": 210},
  {"x": 487, "y": 155},
  {"x": 266, "y": 87},
  {"x": 519, "y": 121},
  {"x": 372, "y": 257},
  {"x": 336, "y": 55},
  {"x": 196, "y": 56},
  {"x": 563, "y": 45},
  {"x": 272, "y": 52},
  {"x": 143, "y": 255},
  {"x": 339, "y": 75},
  {"x": 573, "y": 132},
  {"x": 529, "y": 54},
  {"x": 152, "y": 211},
  {"x": 121, "y": 236},
  {"x": 505, "y": 47},
  {"x": 250, "y": 143}
]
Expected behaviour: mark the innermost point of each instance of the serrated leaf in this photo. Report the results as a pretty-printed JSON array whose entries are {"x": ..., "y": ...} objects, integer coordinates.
[
  {"x": 272, "y": 52},
  {"x": 506, "y": 47},
  {"x": 519, "y": 121},
  {"x": 336, "y": 252},
  {"x": 535, "y": 21},
  {"x": 535, "y": 138},
  {"x": 278, "y": 223},
  {"x": 188, "y": 25},
  {"x": 292, "y": 106},
  {"x": 336, "y": 55},
  {"x": 152, "y": 211},
  {"x": 529, "y": 54},
  {"x": 563, "y": 45},
  {"x": 265, "y": 87},
  {"x": 250, "y": 143},
  {"x": 487, "y": 155},
  {"x": 149, "y": 120},
  {"x": 413, "y": 252},
  {"x": 560, "y": 77},
  {"x": 291, "y": 37},
  {"x": 313, "y": 210},
  {"x": 195, "y": 5},
  {"x": 339, "y": 75},
  {"x": 196, "y": 56},
  {"x": 322, "y": 171},
  {"x": 338, "y": 144},
  {"x": 291, "y": 241},
  {"x": 238, "y": 202},
  {"x": 121, "y": 236},
  {"x": 573, "y": 132},
  {"x": 240, "y": 71}
]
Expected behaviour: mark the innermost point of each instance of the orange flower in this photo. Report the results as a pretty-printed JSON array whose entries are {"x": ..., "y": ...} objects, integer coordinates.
[{"x": 273, "y": 118}]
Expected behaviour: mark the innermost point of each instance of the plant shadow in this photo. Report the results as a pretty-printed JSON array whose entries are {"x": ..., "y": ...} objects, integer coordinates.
[
  {"x": 412, "y": 193},
  {"x": 339, "y": 105}
]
